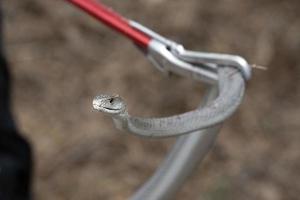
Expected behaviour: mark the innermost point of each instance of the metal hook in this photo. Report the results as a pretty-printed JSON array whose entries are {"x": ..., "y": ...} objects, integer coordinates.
[{"x": 169, "y": 56}]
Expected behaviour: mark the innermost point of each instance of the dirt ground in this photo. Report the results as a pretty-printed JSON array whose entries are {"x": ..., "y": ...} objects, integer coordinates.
[{"x": 61, "y": 58}]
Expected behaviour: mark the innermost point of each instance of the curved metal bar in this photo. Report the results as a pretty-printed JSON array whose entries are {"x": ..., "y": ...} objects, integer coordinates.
[{"x": 186, "y": 154}]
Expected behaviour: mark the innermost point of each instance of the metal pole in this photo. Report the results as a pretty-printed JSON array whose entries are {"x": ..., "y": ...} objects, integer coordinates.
[
  {"x": 113, "y": 20},
  {"x": 186, "y": 154}
]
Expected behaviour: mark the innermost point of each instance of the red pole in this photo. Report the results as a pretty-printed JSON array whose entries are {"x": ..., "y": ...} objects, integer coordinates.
[{"x": 113, "y": 20}]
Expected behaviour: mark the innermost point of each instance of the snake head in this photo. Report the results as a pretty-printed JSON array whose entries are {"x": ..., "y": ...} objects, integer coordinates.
[{"x": 109, "y": 104}]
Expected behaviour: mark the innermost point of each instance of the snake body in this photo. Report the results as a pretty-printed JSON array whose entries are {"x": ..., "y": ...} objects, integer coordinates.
[{"x": 231, "y": 90}]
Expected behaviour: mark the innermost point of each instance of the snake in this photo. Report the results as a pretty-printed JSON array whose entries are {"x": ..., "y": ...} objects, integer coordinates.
[{"x": 231, "y": 88}]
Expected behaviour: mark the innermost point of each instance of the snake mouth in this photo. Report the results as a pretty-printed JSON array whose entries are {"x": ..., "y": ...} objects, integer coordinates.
[
  {"x": 111, "y": 109},
  {"x": 102, "y": 108}
]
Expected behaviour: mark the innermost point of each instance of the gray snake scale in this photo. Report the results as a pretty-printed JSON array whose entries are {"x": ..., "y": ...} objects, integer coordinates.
[{"x": 231, "y": 86}]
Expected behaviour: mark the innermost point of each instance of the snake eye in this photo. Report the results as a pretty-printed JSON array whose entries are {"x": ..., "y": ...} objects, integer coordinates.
[{"x": 111, "y": 100}]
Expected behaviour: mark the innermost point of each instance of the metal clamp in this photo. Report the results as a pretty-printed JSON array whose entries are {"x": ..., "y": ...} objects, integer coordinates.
[{"x": 168, "y": 56}]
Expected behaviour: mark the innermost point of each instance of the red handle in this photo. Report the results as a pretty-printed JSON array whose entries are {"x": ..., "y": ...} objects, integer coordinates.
[{"x": 113, "y": 20}]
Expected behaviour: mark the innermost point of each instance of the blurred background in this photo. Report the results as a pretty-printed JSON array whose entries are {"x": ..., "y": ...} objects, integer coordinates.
[{"x": 61, "y": 58}]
